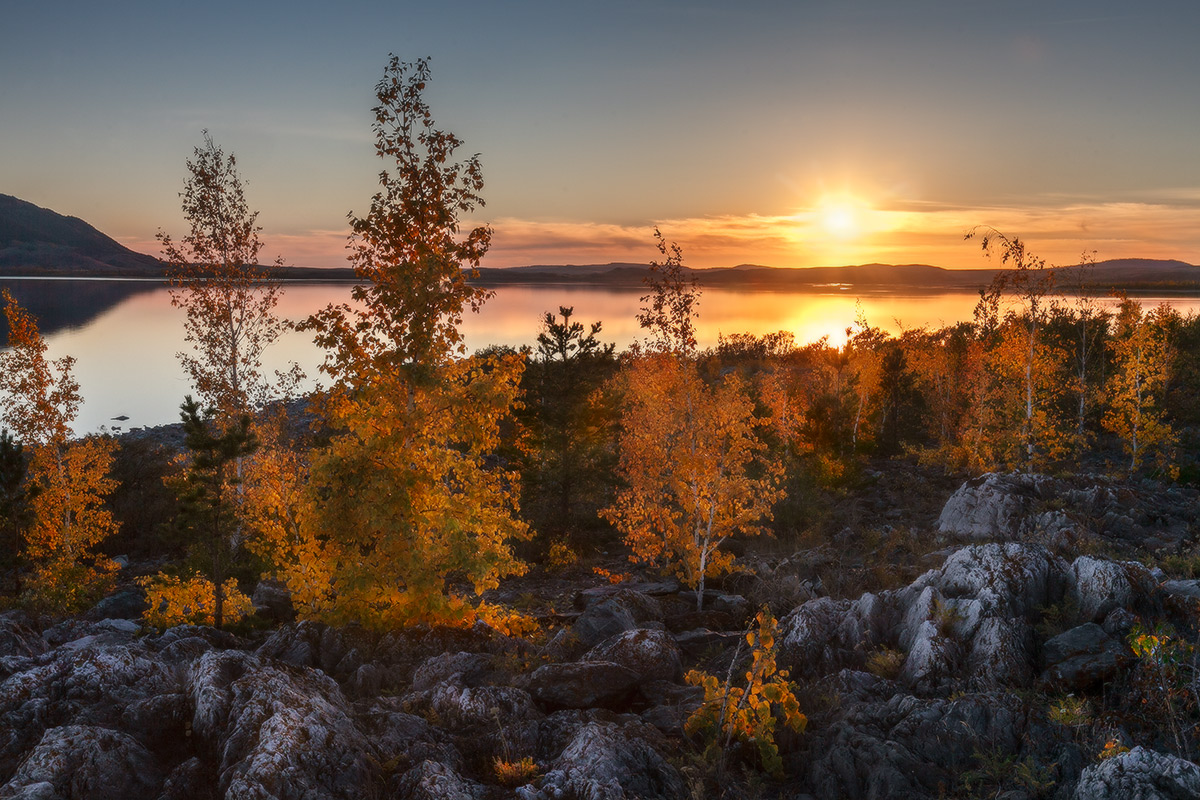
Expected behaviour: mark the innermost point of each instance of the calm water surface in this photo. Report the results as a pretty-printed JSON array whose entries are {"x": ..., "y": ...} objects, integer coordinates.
[{"x": 125, "y": 346}]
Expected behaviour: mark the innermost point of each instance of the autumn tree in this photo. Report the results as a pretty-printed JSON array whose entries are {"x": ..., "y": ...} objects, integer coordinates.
[
  {"x": 67, "y": 480},
  {"x": 1021, "y": 376},
  {"x": 403, "y": 497},
  {"x": 228, "y": 298},
  {"x": 690, "y": 454},
  {"x": 1143, "y": 357}
]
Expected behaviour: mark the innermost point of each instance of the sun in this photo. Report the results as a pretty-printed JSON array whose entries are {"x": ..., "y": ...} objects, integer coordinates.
[{"x": 841, "y": 217}]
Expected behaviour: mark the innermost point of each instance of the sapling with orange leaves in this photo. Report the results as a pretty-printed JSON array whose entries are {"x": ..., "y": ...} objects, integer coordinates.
[{"x": 67, "y": 479}]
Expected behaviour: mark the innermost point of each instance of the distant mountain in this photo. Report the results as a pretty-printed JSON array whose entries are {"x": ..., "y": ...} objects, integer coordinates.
[
  {"x": 1126, "y": 273},
  {"x": 38, "y": 241}
]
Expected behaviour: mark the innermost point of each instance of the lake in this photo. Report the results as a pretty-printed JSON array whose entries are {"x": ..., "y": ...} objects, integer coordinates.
[{"x": 125, "y": 334}]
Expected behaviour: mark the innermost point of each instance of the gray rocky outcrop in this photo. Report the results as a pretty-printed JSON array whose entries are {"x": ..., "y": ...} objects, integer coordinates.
[
  {"x": 1140, "y": 774},
  {"x": 605, "y": 761},
  {"x": 651, "y": 654}
]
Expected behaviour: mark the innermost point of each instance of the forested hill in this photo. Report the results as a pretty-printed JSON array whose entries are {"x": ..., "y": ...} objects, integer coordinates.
[
  {"x": 38, "y": 241},
  {"x": 1128, "y": 273}
]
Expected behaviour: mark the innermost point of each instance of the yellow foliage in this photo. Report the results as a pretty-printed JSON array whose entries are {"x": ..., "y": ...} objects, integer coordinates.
[
  {"x": 561, "y": 555},
  {"x": 406, "y": 501},
  {"x": 1143, "y": 360},
  {"x": 750, "y": 712},
  {"x": 507, "y": 621},
  {"x": 687, "y": 450},
  {"x": 183, "y": 601},
  {"x": 1111, "y": 749},
  {"x": 404, "y": 498}
]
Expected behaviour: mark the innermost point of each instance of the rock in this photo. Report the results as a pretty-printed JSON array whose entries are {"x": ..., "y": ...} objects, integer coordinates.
[
  {"x": 586, "y": 684},
  {"x": 188, "y": 781},
  {"x": 1140, "y": 774},
  {"x": 904, "y": 747},
  {"x": 117, "y": 684},
  {"x": 651, "y": 654},
  {"x": 471, "y": 668},
  {"x": 459, "y": 706},
  {"x": 702, "y": 642},
  {"x": 82, "y": 762},
  {"x": 607, "y": 762},
  {"x": 431, "y": 780},
  {"x": 1099, "y": 586},
  {"x": 278, "y": 732},
  {"x": 626, "y": 610},
  {"x": 125, "y": 604},
  {"x": 1082, "y": 658},
  {"x": 1009, "y": 579},
  {"x": 807, "y": 638},
  {"x": 991, "y": 507},
  {"x": 405, "y": 739},
  {"x": 273, "y": 601},
  {"x": 931, "y": 660},
  {"x": 1001, "y": 654},
  {"x": 18, "y": 639}
]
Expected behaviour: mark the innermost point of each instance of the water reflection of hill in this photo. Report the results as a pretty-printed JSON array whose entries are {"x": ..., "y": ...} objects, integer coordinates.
[{"x": 67, "y": 304}]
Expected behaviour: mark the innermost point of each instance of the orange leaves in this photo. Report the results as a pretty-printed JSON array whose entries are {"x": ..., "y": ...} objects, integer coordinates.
[
  {"x": 688, "y": 451},
  {"x": 67, "y": 480},
  {"x": 41, "y": 397},
  {"x": 404, "y": 498}
]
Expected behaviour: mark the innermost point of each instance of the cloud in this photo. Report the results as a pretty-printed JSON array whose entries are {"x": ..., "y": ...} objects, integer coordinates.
[{"x": 899, "y": 233}]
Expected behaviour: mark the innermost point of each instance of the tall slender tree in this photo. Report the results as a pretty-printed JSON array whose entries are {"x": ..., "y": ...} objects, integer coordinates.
[
  {"x": 228, "y": 298},
  {"x": 404, "y": 494}
]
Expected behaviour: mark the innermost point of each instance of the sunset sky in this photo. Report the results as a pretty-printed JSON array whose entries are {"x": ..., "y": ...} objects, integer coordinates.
[{"x": 789, "y": 133}]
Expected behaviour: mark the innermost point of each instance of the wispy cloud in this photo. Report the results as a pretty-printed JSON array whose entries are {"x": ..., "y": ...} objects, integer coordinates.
[{"x": 901, "y": 232}]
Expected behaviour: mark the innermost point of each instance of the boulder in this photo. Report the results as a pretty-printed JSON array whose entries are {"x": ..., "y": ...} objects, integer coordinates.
[
  {"x": 458, "y": 706},
  {"x": 1001, "y": 654},
  {"x": 273, "y": 601},
  {"x": 651, "y": 654},
  {"x": 626, "y": 610},
  {"x": 81, "y": 762},
  {"x": 585, "y": 684},
  {"x": 991, "y": 507},
  {"x": 471, "y": 669},
  {"x": 932, "y": 659},
  {"x": 1099, "y": 586},
  {"x": 1140, "y": 774},
  {"x": 95, "y": 681},
  {"x": 1008, "y": 579},
  {"x": 807, "y": 638},
  {"x": 278, "y": 732},
  {"x": 609, "y": 762},
  {"x": 1082, "y": 658},
  {"x": 125, "y": 604},
  {"x": 431, "y": 780}
]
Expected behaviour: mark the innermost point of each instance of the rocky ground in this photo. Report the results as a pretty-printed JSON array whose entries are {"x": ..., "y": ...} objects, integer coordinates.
[{"x": 982, "y": 650}]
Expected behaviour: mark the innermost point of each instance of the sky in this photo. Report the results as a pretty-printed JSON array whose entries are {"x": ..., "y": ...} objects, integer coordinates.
[{"x": 790, "y": 133}]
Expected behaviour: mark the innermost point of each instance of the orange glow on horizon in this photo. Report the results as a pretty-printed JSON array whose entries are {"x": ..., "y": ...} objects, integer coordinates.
[{"x": 838, "y": 230}]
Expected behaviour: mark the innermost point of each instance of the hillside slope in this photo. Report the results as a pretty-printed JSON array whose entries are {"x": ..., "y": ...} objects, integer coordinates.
[{"x": 38, "y": 241}]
